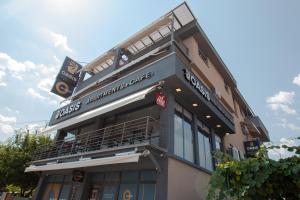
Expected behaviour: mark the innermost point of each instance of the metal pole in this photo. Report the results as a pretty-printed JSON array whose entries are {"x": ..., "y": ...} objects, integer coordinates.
[
  {"x": 172, "y": 32},
  {"x": 147, "y": 124}
]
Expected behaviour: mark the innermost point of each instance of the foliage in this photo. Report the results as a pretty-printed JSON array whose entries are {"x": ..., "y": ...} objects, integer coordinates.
[
  {"x": 15, "y": 156},
  {"x": 257, "y": 178}
]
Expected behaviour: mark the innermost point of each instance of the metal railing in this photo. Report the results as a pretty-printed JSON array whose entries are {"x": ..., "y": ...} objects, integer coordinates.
[{"x": 137, "y": 131}]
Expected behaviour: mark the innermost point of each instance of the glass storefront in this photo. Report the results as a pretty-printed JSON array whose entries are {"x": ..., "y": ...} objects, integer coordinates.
[
  {"x": 126, "y": 185},
  {"x": 59, "y": 187}
]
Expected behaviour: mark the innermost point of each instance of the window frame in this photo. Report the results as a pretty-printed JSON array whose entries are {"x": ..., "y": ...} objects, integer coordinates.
[
  {"x": 204, "y": 133},
  {"x": 190, "y": 121}
]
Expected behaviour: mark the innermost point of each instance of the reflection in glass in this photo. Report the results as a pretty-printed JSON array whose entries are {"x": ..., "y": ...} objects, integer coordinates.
[
  {"x": 147, "y": 192},
  {"x": 201, "y": 149},
  {"x": 178, "y": 138},
  {"x": 188, "y": 142}
]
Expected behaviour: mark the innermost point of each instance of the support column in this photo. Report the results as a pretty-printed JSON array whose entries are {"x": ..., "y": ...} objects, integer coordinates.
[
  {"x": 166, "y": 138},
  {"x": 196, "y": 141},
  {"x": 162, "y": 180},
  {"x": 39, "y": 188},
  {"x": 213, "y": 145}
]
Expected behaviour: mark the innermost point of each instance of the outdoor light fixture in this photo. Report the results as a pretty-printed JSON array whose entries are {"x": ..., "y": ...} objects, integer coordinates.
[
  {"x": 178, "y": 90},
  {"x": 208, "y": 116},
  {"x": 218, "y": 126},
  {"x": 195, "y": 104}
]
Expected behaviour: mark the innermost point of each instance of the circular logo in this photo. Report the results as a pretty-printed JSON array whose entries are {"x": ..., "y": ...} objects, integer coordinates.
[
  {"x": 62, "y": 87},
  {"x": 126, "y": 195}
]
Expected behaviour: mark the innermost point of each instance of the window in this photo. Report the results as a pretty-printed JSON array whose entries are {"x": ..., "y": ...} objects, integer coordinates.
[
  {"x": 183, "y": 140},
  {"x": 86, "y": 76},
  {"x": 133, "y": 185},
  {"x": 218, "y": 143},
  {"x": 234, "y": 152},
  {"x": 58, "y": 187},
  {"x": 226, "y": 87},
  {"x": 205, "y": 157},
  {"x": 203, "y": 56},
  {"x": 70, "y": 135},
  {"x": 147, "y": 187},
  {"x": 178, "y": 139}
]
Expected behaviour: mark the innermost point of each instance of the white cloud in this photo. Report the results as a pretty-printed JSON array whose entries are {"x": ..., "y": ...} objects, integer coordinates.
[
  {"x": 39, "y": 75},
  {"x": 17, "y": 69},
  {"x": 296, "y": 80},
  {"x": 35, "y": 94},
  {"x": 282, "y": 97},
  {"x": 8, "y": 109},
  {"x": 288, "y": 142},
  {"x": 282, "y": 101},
  {"x": 2, "y": 74},
  {"x": 282, "y": 152},
  {"x": 285, "y": 124},
  {"x": 39, "y": 127},
  {"x": 14, "y": 67},
  {"x": 58, "y": 40},
  {"x": 45, "y": 84},
  {"x": 6, "y": 126}
]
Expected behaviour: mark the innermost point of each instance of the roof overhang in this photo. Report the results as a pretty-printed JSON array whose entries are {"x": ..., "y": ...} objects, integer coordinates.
[
  {"x": 87, "y": 162},
  {"x": 151, "y": 34}
]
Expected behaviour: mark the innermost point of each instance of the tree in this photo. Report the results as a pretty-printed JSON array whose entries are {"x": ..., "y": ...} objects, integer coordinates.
[
  {"x": 15, "y": 156},
  {"x": 257, "y": 178}
]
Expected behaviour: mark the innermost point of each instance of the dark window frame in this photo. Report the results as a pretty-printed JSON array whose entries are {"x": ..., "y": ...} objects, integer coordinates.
[
  {"x": 190, "y": 121},
  {"x": 209, "y": 136}
]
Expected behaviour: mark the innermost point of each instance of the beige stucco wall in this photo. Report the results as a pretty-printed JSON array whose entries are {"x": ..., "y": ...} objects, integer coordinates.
[
  {"x": 186, "y": 182},
  {"x": 237, "y": 138},
  {"x": 212, "y": 76}
]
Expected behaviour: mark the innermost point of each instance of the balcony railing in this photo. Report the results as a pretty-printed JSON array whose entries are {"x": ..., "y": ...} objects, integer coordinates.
[
  {"x": 257, "y": 128},
  {"x": 138, "y": 131}
]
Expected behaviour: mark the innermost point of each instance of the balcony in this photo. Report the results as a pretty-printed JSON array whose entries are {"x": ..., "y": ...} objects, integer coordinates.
[
  {"x": 135, "y": 132},
  {"x": 256, "y": 128}
]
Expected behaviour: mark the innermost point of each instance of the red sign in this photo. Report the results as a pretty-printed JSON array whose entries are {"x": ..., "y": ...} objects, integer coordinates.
[{"x": 161, "y": 100}]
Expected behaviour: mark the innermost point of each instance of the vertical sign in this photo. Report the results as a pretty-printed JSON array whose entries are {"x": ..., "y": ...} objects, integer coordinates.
[
  {"x": 67, "y": 78},
  {"x": 251, "y": 147}
]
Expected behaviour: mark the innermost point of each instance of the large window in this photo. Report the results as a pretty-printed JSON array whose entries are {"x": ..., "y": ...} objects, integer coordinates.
[
  {"x": 58, "y": 187},
  {"x": 183, "y": 138},
  {"x": 133, "y": 185},
  {"x": 205, "y": 157}
]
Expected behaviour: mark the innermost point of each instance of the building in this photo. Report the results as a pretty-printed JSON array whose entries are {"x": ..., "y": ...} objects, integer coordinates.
[{"x": 145, "y": 118}]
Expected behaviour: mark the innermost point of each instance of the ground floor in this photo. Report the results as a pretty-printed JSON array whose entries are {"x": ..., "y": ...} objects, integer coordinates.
[{"x": 174, "y": 180}]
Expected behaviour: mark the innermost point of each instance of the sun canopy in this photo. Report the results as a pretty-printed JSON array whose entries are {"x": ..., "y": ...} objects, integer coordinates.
[
  {"x": 101, "y": 110},
  {"x": 146, "y": 37},
  {"x": 130, "y": 158}
]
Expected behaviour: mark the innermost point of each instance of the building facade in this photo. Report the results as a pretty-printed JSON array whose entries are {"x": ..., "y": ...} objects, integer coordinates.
[{"x": 145, "y": 119}]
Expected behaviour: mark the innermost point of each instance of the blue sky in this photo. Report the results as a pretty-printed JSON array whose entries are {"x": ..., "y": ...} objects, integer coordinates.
[{"x": 258, "y": 40}]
